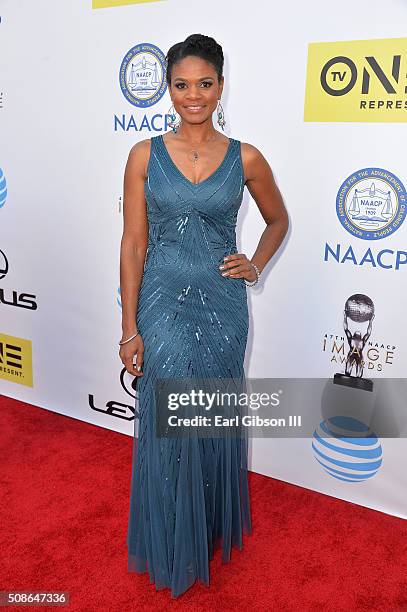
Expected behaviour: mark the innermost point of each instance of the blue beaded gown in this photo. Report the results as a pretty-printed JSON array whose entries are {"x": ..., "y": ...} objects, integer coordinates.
[{"x": 189, "y": 496}]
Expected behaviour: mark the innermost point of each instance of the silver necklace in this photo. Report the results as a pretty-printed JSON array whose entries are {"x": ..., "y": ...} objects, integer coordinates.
[{"x": 193, "y": 154}]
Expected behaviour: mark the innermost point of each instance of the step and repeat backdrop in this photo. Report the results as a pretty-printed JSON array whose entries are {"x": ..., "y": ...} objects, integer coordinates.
[{"x": 324, "y": 99}]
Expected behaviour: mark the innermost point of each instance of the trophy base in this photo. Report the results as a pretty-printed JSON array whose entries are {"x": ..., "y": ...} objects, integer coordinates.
[{"x": 352, "y": 381}]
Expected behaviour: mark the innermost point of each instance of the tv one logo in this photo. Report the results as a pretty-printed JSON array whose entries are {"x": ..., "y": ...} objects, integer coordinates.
[{"x": 362, "y": 80}]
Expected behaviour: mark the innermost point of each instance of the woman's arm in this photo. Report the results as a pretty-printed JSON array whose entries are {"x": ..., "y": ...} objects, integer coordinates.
[
  {"x": 262, "y": 187},
  {"x": 133, "y": 246}
]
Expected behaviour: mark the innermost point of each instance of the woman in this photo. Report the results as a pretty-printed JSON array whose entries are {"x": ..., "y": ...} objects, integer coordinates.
[{"x": 182, "y": 193}]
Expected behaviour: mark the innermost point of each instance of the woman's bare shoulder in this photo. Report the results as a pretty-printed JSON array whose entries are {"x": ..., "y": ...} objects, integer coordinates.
[
  {"x": 250, "y": 152},
  {"x": 139, "y": 155},
  {"x": 142, "y": 147},
  {"x": 253, "y": 160}
]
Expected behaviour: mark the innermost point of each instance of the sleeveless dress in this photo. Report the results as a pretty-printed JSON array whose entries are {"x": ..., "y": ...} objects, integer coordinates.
[{"x": 188, "y": 496}]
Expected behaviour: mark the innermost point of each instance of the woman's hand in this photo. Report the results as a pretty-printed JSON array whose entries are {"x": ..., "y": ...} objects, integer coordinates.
[
  {"x": 128, "y": 351},
  {"x": 238, "y": 266}
]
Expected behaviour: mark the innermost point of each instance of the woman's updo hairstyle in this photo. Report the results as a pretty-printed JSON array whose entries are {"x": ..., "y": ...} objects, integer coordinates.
[{"x": 200, "y": 45}]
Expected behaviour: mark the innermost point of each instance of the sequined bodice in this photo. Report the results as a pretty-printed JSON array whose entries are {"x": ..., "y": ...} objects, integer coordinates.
[{"x": 191, "y": 223}]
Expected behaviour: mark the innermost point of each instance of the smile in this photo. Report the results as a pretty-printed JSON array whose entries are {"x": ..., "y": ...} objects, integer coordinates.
[{"x": 194, "y": 109}]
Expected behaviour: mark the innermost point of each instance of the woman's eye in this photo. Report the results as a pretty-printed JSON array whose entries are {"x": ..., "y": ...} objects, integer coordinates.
[{"x": 205, "y": 83}]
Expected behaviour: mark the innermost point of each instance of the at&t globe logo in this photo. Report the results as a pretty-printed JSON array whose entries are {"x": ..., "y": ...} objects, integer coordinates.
[
  {"x": 142, "y": 75},
  {"x": 3, "y": 188},
  {"x": 347, "y": 449},
  {"x": 371, "y": 203}
]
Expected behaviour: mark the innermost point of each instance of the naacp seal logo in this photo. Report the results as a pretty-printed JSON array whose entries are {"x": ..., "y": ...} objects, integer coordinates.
[
  {"x": 371, "y": 203},
  {"x": 142, "y": 75}
]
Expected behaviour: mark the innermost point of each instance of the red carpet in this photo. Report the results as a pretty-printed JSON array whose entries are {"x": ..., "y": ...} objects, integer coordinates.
[{"x": 64, "y": 506}]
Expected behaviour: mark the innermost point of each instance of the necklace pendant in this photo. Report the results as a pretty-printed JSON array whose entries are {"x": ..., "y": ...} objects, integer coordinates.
[{"x": 193, "y": 155}]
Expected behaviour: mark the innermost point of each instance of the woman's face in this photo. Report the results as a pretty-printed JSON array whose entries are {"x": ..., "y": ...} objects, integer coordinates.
[{"x": 195, "y": 89}]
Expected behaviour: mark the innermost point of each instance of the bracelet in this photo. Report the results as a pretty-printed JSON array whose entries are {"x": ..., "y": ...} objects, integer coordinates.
[
  {"x": 248, "y": 284},
  {"x": 128, "y": 339}
]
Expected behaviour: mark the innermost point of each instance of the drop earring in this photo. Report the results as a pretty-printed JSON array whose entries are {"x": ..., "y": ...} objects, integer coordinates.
[
  {"x": 221, "y": 116},
  {"x": 175, "y": 121}
]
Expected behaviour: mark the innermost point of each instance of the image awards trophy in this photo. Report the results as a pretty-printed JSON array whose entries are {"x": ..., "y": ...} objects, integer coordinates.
[
  {"x": 344, "y": 406},
  {"x": 359, "y": 309}
]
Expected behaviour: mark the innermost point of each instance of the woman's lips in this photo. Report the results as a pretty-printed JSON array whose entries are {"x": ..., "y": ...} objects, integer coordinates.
[{"x": 194, "y": 108}]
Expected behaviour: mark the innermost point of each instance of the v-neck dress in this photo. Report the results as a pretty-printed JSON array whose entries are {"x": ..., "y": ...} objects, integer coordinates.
[{"x": 189, "y": 495}]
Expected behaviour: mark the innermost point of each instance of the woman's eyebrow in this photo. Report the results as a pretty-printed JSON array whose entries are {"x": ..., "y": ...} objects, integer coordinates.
[{"x": 200, "y": 79}]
